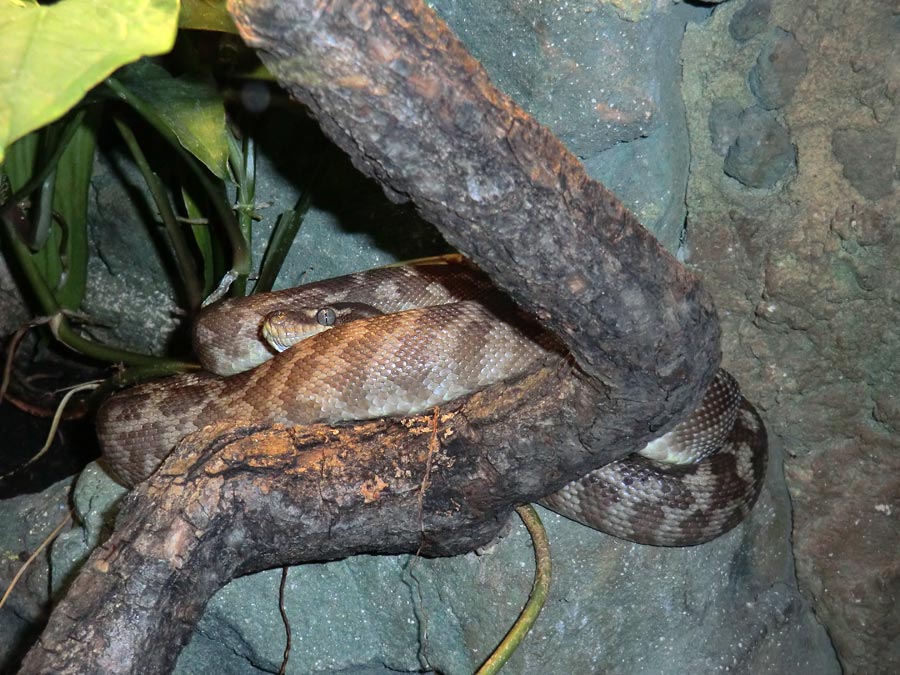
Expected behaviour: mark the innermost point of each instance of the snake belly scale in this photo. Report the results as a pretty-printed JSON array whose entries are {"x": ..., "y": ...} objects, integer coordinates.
[{"x": 400, "y": 340}]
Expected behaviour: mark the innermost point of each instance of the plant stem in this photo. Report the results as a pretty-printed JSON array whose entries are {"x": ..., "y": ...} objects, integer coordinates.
[
  {"x": 243, "y": 162},
  {"x": 185, "y": 260},
  {"x": 535, "y": 604},
  {"x": 50, "y": 162},
  {"x": 285, "y": 231},
  {"x": 60, "y": 324},
  {"x": 240, "y": 253}
]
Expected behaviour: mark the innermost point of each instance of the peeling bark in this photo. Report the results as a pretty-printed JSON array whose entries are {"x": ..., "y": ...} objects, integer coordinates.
[{"x": 392, "y": 86}]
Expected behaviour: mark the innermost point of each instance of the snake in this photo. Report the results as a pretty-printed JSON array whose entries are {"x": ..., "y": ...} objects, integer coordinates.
[{"x": 400, "y": 340}]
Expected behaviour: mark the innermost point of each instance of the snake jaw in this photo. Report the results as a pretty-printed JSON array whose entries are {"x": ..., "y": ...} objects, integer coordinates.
[{"x": 282, "y": 329}]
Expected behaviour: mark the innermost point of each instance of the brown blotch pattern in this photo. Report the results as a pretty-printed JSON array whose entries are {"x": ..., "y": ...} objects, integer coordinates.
[{"x": 419, "y": 354}]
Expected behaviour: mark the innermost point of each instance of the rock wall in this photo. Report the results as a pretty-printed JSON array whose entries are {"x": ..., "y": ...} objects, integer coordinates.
[{"x": 793, "y": 207}]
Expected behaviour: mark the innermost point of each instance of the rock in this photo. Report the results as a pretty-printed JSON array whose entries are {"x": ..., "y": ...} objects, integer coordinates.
[
  {"x": 817, "y": 264},
  {"x": 27, "y": 520},
  {"x": 763, "y": 153},
  {"x": 750, "y": 20},
  {"x": 724, "y": 124},
  {"x": 130, "y": 294},
  {"x": 868, "y": 157},
  {"x": 732, "y": 603},
  {"x": 887, "y": 409},
  {"x": 848, "y": 550},
  {"x": 607, "y": 87},
  {"x": 779, "y": 68}
]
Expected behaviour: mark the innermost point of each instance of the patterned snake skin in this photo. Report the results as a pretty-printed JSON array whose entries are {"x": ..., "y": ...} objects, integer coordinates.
[{"x": 400, "y": 340}]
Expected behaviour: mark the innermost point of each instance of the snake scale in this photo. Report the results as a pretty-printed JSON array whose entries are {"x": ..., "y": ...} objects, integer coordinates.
[{"x": 400, "y": 340}]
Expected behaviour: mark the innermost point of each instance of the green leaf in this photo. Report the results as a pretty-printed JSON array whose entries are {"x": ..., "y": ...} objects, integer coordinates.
[
  {"x": 206, "y": 15},
  {"x": 53, "y": 54},
  {"x": 202, "y": 238},
  {"x": 59, "y": 253},
  {"x": 189, "y": 107},
  {"x": 70, "y": 201},
  {"x": 21, "y": 160}
]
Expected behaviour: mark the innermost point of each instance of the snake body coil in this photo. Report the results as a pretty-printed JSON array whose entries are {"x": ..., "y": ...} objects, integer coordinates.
[{"x": 400, "y": 340}]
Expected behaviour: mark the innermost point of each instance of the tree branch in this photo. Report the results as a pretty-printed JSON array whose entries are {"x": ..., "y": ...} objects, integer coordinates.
[{"x": 391, "y": 85}]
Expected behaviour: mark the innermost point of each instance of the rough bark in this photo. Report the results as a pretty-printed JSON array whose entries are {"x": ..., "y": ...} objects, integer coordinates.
[
  {"x": 394, "y": 88},
  {"x": 232, "y": 500}
]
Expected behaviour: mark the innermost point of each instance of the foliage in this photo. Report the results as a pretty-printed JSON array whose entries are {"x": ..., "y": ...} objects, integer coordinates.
[
  {"x": 79, "y": 67},
  {"x": 53, "y": 55}
]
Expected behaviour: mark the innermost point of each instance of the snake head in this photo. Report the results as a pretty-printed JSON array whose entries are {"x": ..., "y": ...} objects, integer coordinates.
[{"x": 284, "y": 328}]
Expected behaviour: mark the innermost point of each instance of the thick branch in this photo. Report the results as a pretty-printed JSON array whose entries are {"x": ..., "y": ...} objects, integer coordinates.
[
  {"x": 233, "y": 500},
  {"x": 393, "y": 87}
]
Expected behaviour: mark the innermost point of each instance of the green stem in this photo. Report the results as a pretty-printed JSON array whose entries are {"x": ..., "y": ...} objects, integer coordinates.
[
  {"x": 535, "y": 604},
  {"x": 183, "y": 255},
  {"x": 239, "y": 251},
  {"x": 135, "y": 374},
  {"x": 243, "y": 162},
  {"x": 235, "y": 159},
  {"x": 280, "y": 241},
  {"x": 50, "y": 162},
  {"x": 156, "y": 364},
  {"x": 284, "y": 233},
  {"x": 60, "y": 324},
  {"x": 42, "y": 215}
]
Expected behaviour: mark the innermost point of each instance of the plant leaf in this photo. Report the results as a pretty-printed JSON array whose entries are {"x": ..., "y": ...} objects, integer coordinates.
[
  {"x": 206, "y": 15},
  {"x": 53, "y": 54},
  {"x": 190, "y": 107},
  {"x": 73, "y": 182}
]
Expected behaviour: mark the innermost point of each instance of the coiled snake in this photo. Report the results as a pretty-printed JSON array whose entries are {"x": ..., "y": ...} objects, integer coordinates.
[{"x": 400, "y": 340}]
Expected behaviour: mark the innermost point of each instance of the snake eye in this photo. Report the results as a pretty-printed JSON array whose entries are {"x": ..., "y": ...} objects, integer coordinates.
[{"x": 326, "y": 316}]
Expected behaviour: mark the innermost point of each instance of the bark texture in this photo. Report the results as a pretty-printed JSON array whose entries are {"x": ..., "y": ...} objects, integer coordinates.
[
  {"x": 394, "y": 88},
  {"x": 391, "y": 85}
]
